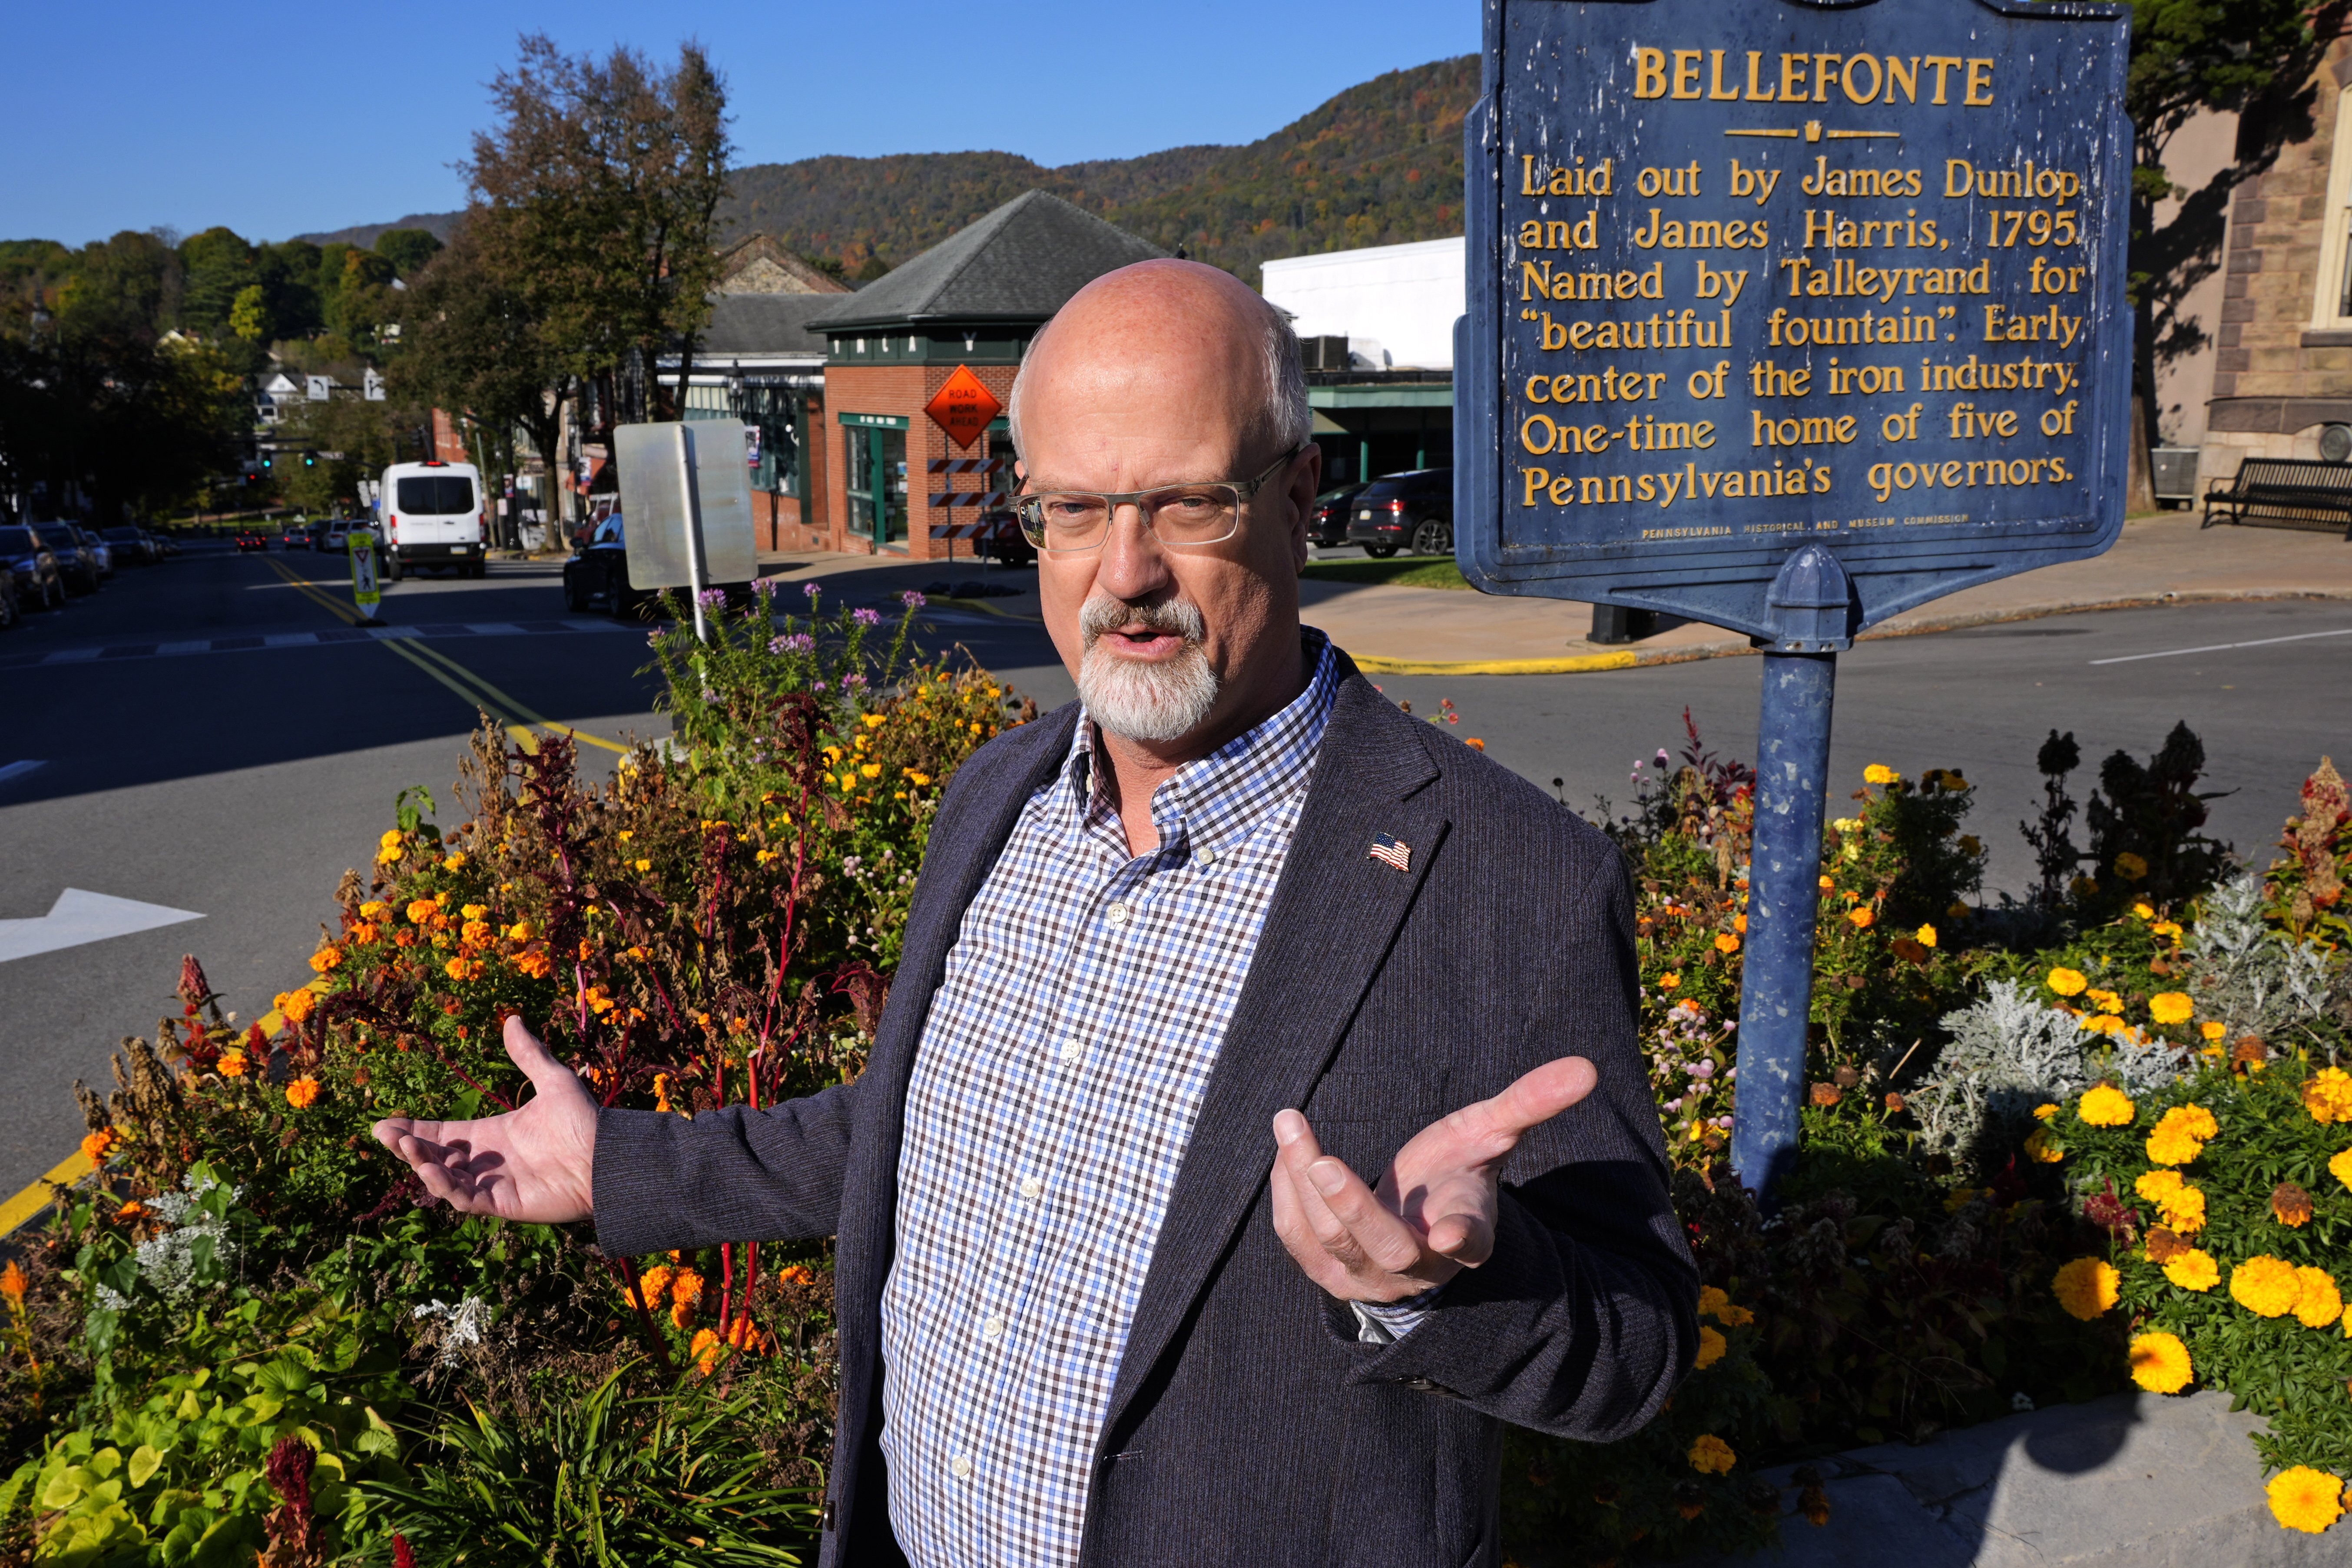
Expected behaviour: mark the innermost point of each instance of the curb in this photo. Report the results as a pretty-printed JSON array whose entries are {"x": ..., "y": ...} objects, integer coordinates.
[{"x": 1631, "y": 658}]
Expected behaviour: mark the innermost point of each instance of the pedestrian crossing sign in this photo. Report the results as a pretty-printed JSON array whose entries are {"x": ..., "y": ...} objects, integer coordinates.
[{"x": 364, "y": 591}]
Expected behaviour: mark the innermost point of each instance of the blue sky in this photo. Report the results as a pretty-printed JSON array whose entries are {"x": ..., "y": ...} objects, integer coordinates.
[{"x": 279, "y": 119}]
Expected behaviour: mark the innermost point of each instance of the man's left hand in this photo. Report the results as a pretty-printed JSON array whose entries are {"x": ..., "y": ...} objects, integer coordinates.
[{"x": 1433, "y": 1215}]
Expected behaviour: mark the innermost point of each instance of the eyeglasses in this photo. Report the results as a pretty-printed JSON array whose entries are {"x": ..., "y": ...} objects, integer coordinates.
[{"x": 1205, "y": 514}]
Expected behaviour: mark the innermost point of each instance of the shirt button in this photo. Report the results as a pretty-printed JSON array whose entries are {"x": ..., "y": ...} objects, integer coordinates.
[
  {"x": 994, "y": 1328},
  {"x": 1116, "y": 914},
  {"x": 1072, "y": 1050},
  {"x": 1207, "y": 857},
  {"x": 960, "y": 1466},
  {"x": 1030, "y": 1186}
]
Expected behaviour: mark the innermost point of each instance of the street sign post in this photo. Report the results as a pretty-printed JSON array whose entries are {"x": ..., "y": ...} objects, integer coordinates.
[
  {"x": 686, "y": 497},
  {"x": 1787, "y": 317},
  {"x": 364, "y": 591}
]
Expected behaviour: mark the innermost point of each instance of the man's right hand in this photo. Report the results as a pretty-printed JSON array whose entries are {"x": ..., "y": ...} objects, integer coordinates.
[{"x": 534, "y": 1163}]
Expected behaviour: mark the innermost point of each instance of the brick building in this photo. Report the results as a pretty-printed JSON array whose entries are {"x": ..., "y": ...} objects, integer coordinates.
[
  {"x": 2283, "y": 365},
  {"x": 974, "y": 299}
]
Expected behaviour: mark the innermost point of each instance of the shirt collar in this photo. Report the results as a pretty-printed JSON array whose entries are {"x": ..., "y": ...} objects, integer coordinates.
[{"x": 1215, "y": 799}]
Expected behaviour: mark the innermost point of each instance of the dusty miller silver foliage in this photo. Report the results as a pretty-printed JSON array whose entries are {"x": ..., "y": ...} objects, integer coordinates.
[
  {"x": 461, "y": 1326},
  {"x": 2255, "y": 978},
  {"x": 170, "y": 1260}
]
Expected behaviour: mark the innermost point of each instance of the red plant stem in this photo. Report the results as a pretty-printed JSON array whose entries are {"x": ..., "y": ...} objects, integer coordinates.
[
  {"x": 726, "y": 1285},
  {"x": 626, "y": 1270}
]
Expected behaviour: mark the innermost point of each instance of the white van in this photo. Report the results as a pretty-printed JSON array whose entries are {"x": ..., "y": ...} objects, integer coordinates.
[{"x": 432, "y": 515}]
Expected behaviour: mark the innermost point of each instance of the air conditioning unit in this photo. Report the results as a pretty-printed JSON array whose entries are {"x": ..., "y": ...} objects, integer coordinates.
[
  {"x": 1323, "y": 353},
  {"x": 2173, "y": 470}
]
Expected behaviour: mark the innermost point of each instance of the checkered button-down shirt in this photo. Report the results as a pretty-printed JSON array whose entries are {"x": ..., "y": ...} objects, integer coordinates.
[{"x": 1062, "y": 1066}]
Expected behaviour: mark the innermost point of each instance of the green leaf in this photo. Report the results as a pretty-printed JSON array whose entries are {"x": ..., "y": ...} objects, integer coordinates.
[{"x": 144, "y": 1462}]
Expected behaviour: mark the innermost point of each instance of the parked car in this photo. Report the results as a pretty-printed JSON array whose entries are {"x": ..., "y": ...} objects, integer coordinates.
[
  {"x": 76, "y": 564},
  {"x": 1327, "y": 518},
  {"x": 598, "y": 574},
  {"x": 130, "y": 547},
  {"x": 103, "y": 552},
  {"x": 432, "y": 516},
  {"x": 251, "y": 538},
  {"x": 1007, "y": 545},
  {"x": 40, "y": 579},
  {"x": 1413, "y": 509},
  {"x": 338, "y": 537},
  {"x": 299, "y": 535}
]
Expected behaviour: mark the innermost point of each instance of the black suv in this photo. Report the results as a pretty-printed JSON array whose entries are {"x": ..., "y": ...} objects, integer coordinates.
[
  {"x": 1414, "y": 510},
  {"x": 1327, "y": 518}
]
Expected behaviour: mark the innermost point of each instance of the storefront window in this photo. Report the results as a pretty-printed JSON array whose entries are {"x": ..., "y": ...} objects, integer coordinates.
[{"x": 877, "y": 484}]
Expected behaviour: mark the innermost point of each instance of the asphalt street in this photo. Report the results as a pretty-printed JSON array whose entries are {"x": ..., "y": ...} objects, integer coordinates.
[{"x": 239, "y": 781}]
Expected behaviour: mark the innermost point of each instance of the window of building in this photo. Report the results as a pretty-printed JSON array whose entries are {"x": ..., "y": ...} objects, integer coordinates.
[
  {"x": 2333, "y": 307},
  {"x": 877, "y": 484}
]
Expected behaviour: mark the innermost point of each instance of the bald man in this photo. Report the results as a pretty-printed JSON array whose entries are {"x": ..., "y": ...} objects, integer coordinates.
[{"x": 1257, "y": 1121}]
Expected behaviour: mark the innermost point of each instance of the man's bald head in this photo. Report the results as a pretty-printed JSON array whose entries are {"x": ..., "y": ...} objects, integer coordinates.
[{"x": 1162, "y": 322}]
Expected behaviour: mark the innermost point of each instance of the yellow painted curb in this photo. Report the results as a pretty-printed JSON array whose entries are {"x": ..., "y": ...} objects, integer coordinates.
[
  {"x": 76, "y": 1166},
  {"x": 1577, "y": 665}
]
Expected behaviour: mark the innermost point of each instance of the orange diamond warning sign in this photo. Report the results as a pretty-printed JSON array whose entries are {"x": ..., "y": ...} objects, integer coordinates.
[{"x": 963, "y": 407}]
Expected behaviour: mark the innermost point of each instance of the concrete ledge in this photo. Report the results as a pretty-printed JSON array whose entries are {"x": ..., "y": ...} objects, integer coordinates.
[{"x": 2130, "y": 1482}]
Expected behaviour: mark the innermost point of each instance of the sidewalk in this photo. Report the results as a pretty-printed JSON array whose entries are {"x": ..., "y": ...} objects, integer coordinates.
[{"x": 2163, "y": 559}]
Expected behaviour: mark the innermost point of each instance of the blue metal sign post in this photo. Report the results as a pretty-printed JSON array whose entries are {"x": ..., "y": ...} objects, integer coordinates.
[{"x": 1788, "y": 316}]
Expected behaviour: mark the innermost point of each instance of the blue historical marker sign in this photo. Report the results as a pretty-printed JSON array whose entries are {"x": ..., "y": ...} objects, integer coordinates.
[
  {"x": 1789, "y": 315},
  {"x": 1748, "y": 274}
]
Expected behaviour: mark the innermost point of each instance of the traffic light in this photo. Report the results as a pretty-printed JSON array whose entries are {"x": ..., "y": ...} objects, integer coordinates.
[
  {"x": 268, "y": 461},
  {"x": 310, "y": 460}
]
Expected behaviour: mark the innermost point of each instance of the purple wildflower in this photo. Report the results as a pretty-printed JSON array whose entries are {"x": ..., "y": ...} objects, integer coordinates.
[
  {"x": 812, "y": 589},
  {"x": 653, "y": 638},
  {"x": 853, "y": 682},
  {"x": 765, "y": 586},
  {"x": 820, "y": 686},
  {"x": 711, "y": 598},
  {"x": 912, "y": 600},
  {"x": 866, "y": 617},
  {"x": 793, "y": 643}
]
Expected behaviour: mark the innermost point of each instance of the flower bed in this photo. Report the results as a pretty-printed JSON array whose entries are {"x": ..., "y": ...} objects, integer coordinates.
[{"x": 2048, "y": 1149}]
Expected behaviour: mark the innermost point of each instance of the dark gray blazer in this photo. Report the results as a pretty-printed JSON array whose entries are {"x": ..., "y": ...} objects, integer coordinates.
[{"x": 1246, "y": 1426}]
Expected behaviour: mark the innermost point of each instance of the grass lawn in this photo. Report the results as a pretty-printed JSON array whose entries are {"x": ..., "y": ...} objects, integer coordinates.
[{"x": 1405, "y": 571}]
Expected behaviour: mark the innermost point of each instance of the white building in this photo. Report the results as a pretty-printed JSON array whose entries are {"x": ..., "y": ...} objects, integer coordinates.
[{"x": 1395, "y": 304}]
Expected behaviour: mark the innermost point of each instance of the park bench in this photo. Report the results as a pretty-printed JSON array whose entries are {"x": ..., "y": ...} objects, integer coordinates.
[{"x": 2283, "y": 492}]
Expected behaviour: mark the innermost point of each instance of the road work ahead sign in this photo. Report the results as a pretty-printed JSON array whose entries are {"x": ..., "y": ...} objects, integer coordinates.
[{"x": 1747, "y": 276}]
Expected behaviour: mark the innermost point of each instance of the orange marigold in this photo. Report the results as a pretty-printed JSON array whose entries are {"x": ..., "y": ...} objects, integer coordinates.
[
  {"x": 2086, "y": 1287},
  {"x": 232, "y": 1064},
  {"x": 99, "y": 1145},
  {"x": 302, "y": 1092}
]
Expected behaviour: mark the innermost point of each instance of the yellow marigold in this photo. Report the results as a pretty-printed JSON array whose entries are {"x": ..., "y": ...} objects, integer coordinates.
[
  {"x": 2038, "y": 1148},
  {"x": 2066, "y": 982},
  {"x": 2044, "y": 1112},
  {"x": 2143, "y": 910},
  {"x": 1715, "y": 1303},
  {"x": 421, "y": 910},
  {"x": 1725, "y": 941},
  {"x": 1879, "y": 773},
  {"x": 2212, "y": 1029},
  {"x": 2159, "y": 1362},
  {"x": 2265, "y": 1285},
  {"x": 2086, "y": 1287},
  {"x": 2180, "y": 1134},
  {"x": 2183, "y": 1206},
  {"x": 390, "y": 855},
  {"x": 302, "y": 1092},
  {"x": 2105, "y": 1001},
  {"x": 2103, "y": 1023},
  {"x": 232, "y": 1064},
  {"x": 2319, "y": 1303},
  {"x": 98, "y": 1146},
  {"x": 2130, "y": 867},
  {"x": 2306, "y": 1499},
  {"x": 295, "y": 1005},
  {"x": 452, "y": 862},
  {"x": 1925, "y": 936},
  {"x": 1861, "y": 915},
  {"x": 2340, "y": 1167},
  {"x": 1711, "y": 1456},
  {"x": 2104, "y": 1105},
  {"x": 644, "y": 865},
  {"x": 2167, "y": 928},
  {"x": 2172, "y": 1007},
  {"x": 391, "y": 837},
  {"x": 474, "y": 911},
  {"x": 2329, "y": 1096},
  {"x": 2159, "y": 1187},
  {"x": 2193, "y": 1270},
  {"x": 519, "y": 931},
  {"x": 1829, "y": 883},
  {"x": 1712, "y": 1347}
]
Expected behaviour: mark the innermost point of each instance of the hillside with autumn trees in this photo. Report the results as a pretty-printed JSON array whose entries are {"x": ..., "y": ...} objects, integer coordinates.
[{"x": 1379, "y": 164}]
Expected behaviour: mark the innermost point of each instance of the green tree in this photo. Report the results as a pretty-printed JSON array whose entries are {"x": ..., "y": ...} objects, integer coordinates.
[
  {"x": 345, "y": 440},
  {"x": 248, "y": 317},
  {"x": 601, "y": 179},
  {"x": 408, "y": 250},
  {"x": 125, "y": 290},
  {"x": 219, "y": 264}
]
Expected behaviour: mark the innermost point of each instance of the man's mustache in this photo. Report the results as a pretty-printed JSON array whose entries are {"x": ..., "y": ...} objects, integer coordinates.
[{"x": 1104, "y": 615}]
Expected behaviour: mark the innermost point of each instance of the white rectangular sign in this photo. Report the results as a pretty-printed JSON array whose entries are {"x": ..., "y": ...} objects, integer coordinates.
[{"x": 655, "y": 503}]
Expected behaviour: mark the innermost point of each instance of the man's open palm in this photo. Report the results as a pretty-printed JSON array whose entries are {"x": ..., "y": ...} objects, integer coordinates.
[
  {"x": 1433, "y": 1215},
  {"x": 535, "y": 1164}
]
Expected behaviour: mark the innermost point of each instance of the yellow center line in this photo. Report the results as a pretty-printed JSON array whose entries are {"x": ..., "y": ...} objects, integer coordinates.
[{"x": 475, "y": 691}]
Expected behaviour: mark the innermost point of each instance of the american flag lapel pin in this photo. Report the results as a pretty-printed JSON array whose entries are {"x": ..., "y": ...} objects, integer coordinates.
[{"x": 1392, "y": 852}]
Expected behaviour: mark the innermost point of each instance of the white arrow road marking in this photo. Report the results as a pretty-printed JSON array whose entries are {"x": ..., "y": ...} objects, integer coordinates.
[{"x": 77, "y": 917}]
